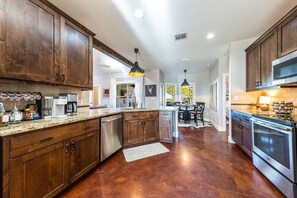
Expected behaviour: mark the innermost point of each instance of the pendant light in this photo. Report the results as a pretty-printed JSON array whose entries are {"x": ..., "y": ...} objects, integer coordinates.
[
  {"x": 185, "y": 83},
  {"x": 136, "y": 70}
]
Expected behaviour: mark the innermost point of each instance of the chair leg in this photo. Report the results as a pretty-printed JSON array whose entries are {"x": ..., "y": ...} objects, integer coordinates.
[
  {"x": 196, "y": 120},
  {"x": 202, "y": 119}
]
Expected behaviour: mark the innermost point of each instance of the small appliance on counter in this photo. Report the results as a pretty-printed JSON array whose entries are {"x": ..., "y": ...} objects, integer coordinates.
[
  {"x": 47, "y": 106},
  {"x": 71, "y": 106},
  {"x": 59, "y": 104}
]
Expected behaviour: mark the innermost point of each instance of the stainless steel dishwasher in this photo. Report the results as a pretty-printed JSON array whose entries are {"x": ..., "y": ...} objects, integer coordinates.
[{"x": 111, "y": 135}]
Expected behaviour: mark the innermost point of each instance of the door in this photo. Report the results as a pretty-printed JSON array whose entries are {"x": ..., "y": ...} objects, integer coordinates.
[
  {"x": 42, "y": 173},
  {"x": 252, "y": 68},
  {"x": 287, "y": 35},
  {"x": 268, "y": 50},
  {"x": 29, "y": 42},
  {"x": 151, "y": 130},
  {"x": 84, "y": 154},
  {"x": 76, "y": 56},
  {"x": 165, "y": 126},
  {"x": 246, "y": 142},
  {"x": 133, "y": 132}
]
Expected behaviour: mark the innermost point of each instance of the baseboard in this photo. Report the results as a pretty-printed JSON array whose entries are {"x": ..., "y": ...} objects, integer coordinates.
[
  {"x": 230, "y": 140},
  {"x": 218, "y": 128}
]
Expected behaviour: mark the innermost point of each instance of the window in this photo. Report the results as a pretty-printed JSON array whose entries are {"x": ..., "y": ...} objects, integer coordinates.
[
  {"x": 170, "y": 92},
  {"x": 188, "y": 93}
]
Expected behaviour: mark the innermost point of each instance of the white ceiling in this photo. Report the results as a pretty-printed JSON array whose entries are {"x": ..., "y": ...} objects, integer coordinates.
[
  {"x": 103, "y": 64},
  {"x": 114, "y": 23}
]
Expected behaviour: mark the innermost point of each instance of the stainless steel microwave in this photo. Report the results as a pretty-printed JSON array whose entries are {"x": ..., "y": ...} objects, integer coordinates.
[{"x": 284, "y": 70}]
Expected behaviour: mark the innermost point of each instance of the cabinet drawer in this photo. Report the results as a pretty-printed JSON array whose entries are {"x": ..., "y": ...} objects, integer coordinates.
[
  {"x": 29, "y": 142},
  {"x": 152, "y": 115},
  {"x": 131, "y": 116}
]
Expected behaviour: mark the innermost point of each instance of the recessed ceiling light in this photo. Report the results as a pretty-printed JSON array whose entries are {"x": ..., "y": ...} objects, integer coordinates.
[
  {"x": 210, "y": 36},
  {"x": 139, "y": 14},
  {"x": 185, "y": 60}
]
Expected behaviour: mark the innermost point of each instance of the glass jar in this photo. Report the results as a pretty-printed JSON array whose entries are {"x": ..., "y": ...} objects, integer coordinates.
[
  {"x": 4, "y": 117},
  {"x": 15, "y": 116}
]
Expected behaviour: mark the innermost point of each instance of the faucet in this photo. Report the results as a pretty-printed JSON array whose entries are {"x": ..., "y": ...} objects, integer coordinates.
[{"x": 134, "y": 102}]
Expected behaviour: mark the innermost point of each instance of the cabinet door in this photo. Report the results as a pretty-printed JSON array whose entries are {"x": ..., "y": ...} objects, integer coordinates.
[
  {"x": 133, "y": 132},
  {"x": 29, "y": 42},
  {"x": 84, "y": 154},
  {"x": 76, "y": 56},
  {"x": 252, "y": 68},
  {"x": 247, "y": 139},
  {"x": 287, "y": 35},
  {"x": 165, "y": 126},
  {"x": 151, "y": 130},
  {"x": 236, "y": 131},
  {"x": 42, "y": 173},
  {"x": 268, "y": 50}
]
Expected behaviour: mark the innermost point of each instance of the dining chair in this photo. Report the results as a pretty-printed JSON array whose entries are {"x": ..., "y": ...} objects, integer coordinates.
[
  {"x": 182, "y": 113},
  {"x": 198, "y": 113}
]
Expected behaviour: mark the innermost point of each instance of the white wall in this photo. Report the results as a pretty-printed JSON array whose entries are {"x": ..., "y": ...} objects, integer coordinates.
[
  {"x": 152, "y": 78},
  {"x": 237, "y": 68},
  {"x": 217, "y": 118},
  {"x": 201, "y": 81}
]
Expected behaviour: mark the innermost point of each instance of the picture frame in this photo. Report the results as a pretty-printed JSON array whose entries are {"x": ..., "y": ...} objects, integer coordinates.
[
  {"x": 105, "y": 93},
  {"x": 150, "y": 90}
]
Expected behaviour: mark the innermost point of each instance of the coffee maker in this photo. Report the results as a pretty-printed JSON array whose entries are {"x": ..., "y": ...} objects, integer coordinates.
[
  {"x": 47, "y": 106},
  {"x": 71, "y": 106},
  {"x": 59, "y": 103}
]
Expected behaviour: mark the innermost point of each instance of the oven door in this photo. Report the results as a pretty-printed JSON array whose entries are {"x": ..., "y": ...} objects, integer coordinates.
[{"x": 275, "y": 144}]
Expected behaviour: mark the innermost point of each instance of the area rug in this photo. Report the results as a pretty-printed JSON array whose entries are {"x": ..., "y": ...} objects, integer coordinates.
[
  {"x": 140, "y": 152},
  {"x": 200, "y": 125}
]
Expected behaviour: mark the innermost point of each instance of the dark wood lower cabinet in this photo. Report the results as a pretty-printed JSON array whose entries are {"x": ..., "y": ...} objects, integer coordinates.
[
  {"x": 140, "y": 128},
  {"x": 242, "y": 131},
  {"x": 151, "y": 130},
  {"x": 166, "y": 127},
  {"x": 42, "y": 173},
  {"x": 84, "y": 154},
  {"x": 48, "y": 165}
]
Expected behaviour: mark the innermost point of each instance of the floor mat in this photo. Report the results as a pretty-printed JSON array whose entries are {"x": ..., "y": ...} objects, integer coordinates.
[{"x": 140, "y": 152}]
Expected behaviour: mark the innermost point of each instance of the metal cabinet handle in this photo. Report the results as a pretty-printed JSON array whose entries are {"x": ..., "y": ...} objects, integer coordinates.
[
  {"x": 63, "y": 77},
  {"x": 46, "y": 139},
  {"x": 72, "y": 146},
  {"x": 67, "y": 148}
]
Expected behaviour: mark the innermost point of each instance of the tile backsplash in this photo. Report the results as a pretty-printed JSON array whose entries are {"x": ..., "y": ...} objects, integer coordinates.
[
  {"x": 45, "y": 90},
  {"x": 281, "y": 94}
]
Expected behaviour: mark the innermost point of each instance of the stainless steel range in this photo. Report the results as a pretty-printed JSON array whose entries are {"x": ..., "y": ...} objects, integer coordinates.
[{"x": 274, "y": 153}]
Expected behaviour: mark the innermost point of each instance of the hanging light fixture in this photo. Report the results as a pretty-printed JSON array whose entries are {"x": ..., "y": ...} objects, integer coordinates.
[
  {"x": 136, "y": 70},
  {"x": 185, "y": 83}
]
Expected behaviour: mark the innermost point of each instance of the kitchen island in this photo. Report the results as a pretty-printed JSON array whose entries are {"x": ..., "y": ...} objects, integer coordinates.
[{"x": 44, "y": 157}]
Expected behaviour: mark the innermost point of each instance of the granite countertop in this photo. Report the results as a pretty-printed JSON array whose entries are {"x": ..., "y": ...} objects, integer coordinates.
[
  {"x": 27, "y": 126},
  {"x": 252, "y": 112}
]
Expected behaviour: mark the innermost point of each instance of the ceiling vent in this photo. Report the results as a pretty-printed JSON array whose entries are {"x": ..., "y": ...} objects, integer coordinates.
[{"x": 180, "y": 36}]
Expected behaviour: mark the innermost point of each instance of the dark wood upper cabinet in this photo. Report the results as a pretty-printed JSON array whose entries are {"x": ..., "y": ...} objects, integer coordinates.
[
  {"x": 40, "y": 43},
  {"x": 76, "y": 56},
  {"x": 287, "y": 35},
  {"x": 29, "y": 41},
  {"x": 278, "y": 41},
  {"x": 268, "y": 53},
  {"x": 253, "y": 68}
]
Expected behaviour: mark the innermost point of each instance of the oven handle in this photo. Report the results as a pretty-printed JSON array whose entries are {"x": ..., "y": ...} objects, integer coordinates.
[{"x": 275, "y": 127}]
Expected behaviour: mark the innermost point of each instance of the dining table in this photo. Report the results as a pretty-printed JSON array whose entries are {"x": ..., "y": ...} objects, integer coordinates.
[{"x": 186, "y": 108}]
